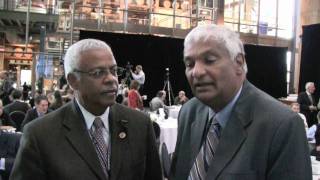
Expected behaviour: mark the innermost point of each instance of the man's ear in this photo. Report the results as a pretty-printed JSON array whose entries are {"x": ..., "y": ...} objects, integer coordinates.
[
  {"x": 73, "y": 80},
  {"x": 240, "y": 62}
]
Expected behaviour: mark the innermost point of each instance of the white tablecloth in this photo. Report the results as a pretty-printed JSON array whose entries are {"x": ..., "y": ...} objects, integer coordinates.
[
  {"x": 174, "y": 111},
  {"x": 168, "y": 132},
  {"x": 315, "y": 168}
]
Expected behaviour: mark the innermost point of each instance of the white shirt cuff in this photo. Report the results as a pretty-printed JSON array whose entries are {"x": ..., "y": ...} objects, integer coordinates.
[{"x": 2, "y": 164}]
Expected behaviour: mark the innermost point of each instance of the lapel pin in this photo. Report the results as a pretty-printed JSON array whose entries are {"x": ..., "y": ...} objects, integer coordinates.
[{"x": 122, "y": 135}]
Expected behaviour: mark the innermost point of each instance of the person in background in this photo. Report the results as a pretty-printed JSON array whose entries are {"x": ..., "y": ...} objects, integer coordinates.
[
  {"x": 25, "y": 91},
  {"x": 31, "y": 101},
  {"x": 67, "y": 94},
  {"x": 308, "y": 105},
  {"x": 9, "y": 145},
  {"x": 41, "y": 108},
  {"x": 295, "y": 107},
  {"x": 17, "y": 104},
  {"x": 181, "y": 98},
  {"x": 5, "y": 120},
  {"x": 231, "y": 129},
  {"x": 6, "y": 88},
  {"x": 57, "y": 101},
  {"x": 91, "y": 137},
  {"x": 158, "y": 101},
  {"x": 139, "y": 76},
  {"x": 134, "y": 97},
  {"x": 125, "y": 98}
]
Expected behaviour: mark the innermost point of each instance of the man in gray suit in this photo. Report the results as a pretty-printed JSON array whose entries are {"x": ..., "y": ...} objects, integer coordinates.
[
  {"x": 231, "y": 130},
  {"x": 91, "y": 137}
]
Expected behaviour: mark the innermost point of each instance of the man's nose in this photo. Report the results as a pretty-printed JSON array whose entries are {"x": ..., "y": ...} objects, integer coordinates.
[{"x": 198, "y": 70}]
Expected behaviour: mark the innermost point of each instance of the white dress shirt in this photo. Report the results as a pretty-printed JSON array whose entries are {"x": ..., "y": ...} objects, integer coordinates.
[
  {"x": 89, "y": 118},
  {"x": 140, "y": 77},
  {"x": 2, "y": 164}
]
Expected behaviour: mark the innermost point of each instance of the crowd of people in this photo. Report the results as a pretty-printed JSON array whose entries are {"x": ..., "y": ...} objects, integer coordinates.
[{"x": 229, "y": 130}]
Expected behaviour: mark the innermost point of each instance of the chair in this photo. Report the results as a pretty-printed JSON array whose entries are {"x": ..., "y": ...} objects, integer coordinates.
[
  {"x": 17, "y": 117},
  {"x": 156, "y": 129},
  {"x": 166, "y": 160}
]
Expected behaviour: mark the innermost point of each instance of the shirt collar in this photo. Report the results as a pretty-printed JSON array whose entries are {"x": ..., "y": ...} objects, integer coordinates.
[
  {"x": 89, "y": 117},
  {"x": 224, "y": 115}
]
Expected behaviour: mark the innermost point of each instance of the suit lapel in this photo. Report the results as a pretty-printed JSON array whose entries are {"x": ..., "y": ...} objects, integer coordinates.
[
  {"x": 230, "y": 142},
  {"x": 198, "y": 128},
  {"x": 78, "y": 136},
  {"x": 234, "y": 134},
  {"x": 117, "y": 126}
]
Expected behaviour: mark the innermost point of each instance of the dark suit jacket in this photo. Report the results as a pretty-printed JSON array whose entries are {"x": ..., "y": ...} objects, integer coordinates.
[
  {"x": 9, "y": 145},
  {"x": 16, "y": 106},
  {"x": 30, "y": 116},
  {"x": 58, "y": 147},
  {"x": 263, "y": 139},
  {"x": 305, "y": 102}
]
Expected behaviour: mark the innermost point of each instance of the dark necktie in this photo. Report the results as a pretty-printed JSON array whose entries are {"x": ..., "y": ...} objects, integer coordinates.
[
  {"x": 206, "y": 153},
  {"x": 100, "y": 145}
]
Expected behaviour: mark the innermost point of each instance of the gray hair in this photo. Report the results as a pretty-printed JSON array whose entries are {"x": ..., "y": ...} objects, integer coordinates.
[
  {"x": 308, "y": 84},
  {"x": 73, "y": 53},
  {"x": 221, "y": 34}
]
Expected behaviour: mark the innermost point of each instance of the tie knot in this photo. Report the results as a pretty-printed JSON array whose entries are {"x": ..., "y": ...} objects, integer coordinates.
[{"x": 98, "y": 123}]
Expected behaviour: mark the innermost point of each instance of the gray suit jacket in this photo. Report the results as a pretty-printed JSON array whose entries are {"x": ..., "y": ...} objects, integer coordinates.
[
  {"x": 58, "y": 147},
  {"x": 263, "y": 139}
]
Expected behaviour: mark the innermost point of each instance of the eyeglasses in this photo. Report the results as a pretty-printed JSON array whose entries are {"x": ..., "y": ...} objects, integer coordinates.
[{"x": 99, "y": 73}]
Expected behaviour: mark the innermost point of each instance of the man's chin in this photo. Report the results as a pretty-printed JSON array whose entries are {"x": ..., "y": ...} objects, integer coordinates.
[
  {"x": 205, "y": 97},
  {"x": 109, "y": 103}
]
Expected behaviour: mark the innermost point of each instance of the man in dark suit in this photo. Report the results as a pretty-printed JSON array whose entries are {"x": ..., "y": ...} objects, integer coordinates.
[
  {"x": 9, "y": 145},
  {"x": 41, "y": 103},
  {"x": 91, "y": 137},
  {"x": 16, "y": 104},
  {"x": 5, "y": 120},
  {"x": 231, "y": 129},
  {"x": 308, "y": 104}
]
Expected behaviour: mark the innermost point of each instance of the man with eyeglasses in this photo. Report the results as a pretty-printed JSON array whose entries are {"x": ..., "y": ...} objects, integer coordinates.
[{"x": 91, "y": 137}]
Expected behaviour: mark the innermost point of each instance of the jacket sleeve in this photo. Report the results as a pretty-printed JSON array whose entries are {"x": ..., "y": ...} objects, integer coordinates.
[
  {"x": 28, "y": 164},
  {"x": 289, "y": 155}
]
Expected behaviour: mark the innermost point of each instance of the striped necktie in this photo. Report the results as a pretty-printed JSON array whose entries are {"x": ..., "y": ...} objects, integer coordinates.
[
  {"x": 206, "y": 153},
  {"x": 100, "y": 145}
]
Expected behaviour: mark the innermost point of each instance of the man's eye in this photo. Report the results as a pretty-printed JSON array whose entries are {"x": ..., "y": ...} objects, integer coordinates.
[
  {"x": 97, "y": 73},
  {"x": 210, "y": 59},
  {"x": 114, "y": 71},
  {"x": 188, "y": 63}
]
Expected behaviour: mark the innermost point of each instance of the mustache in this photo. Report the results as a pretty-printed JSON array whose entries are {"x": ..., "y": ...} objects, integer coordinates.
[{"x": 202, "y": 83}]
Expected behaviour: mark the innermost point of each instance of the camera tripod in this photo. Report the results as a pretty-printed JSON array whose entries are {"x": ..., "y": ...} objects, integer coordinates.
[{"x": 168, "y": 88}]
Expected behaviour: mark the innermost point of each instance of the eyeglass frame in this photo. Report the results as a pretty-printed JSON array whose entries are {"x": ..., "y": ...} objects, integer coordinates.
[{"x": 101, "y": 72}]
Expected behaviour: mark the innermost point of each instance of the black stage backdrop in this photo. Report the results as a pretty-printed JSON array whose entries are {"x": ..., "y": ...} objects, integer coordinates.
[
  {"x": 267, "y": 68},
  {"x": 310, "y": 58},
  {"x": 267, "y": 65}
]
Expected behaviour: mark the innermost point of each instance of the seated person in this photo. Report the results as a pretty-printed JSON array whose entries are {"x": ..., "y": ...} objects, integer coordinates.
[
  {"x": 9, "y": 145},
  {"x": 181, "y": 98},
  {"x": 5, "y": 120},
  {"x": 41, "y": 103},
  {"x": 158, "y": 101},
  {"x": 17, "y": 104},
  {"x": 295, "y": 107},
  {"x": 134, "y": 97}
]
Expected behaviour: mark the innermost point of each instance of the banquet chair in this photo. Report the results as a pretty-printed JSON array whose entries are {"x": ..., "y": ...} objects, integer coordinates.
[
  {"x": 17, "y": 117},
  {"x": 165, "y": 160},
  {"x": 156, "y": 129}
]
